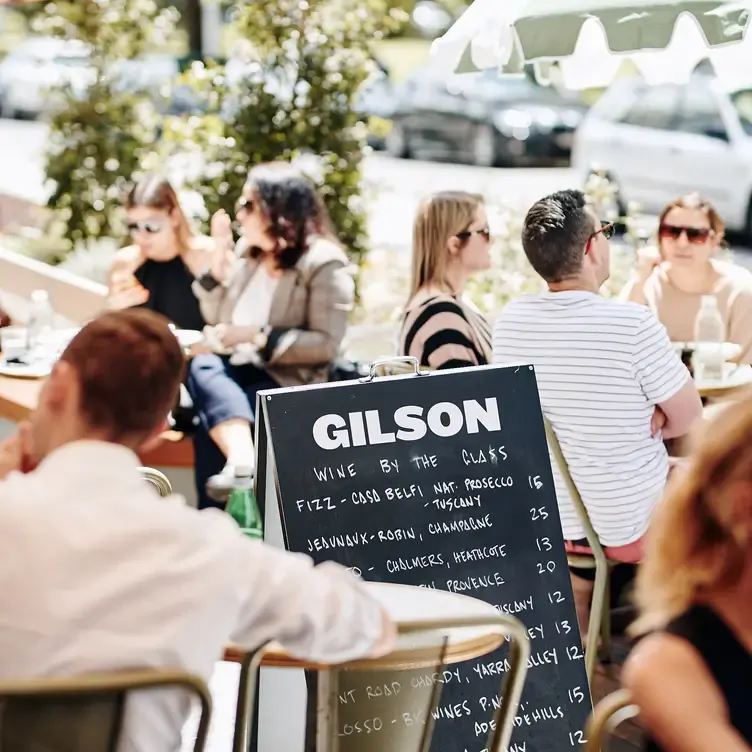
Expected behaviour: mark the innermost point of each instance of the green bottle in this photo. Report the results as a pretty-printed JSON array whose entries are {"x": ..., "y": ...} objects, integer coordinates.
[{"x": 242, "y": 506}]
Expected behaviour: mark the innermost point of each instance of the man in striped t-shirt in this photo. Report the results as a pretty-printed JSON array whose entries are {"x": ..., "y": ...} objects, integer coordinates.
[{"x": 610, "y": 383}]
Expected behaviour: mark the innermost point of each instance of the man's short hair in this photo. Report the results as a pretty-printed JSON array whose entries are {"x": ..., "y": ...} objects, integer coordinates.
[
  {"x": 130, "y": 366},
  {"x": 555, "y": 233}
]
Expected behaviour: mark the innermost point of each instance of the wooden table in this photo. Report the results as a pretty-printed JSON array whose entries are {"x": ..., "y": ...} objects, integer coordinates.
[
  {"x": 19, "y": 397},
  {"x": 415, "y": 611},
  {"x": 738, "y": 377},
  {"x": 407, "y": 605}
]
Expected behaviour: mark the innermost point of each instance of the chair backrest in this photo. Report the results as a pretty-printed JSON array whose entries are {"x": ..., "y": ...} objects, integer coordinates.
[
  {"x": 611, "y": 711},
  {"x": 69, "y": 714},
  {"x": 357, "y": 699},
  {"x": 561, "y": 465},
  {"x": 158, "y": 480}
]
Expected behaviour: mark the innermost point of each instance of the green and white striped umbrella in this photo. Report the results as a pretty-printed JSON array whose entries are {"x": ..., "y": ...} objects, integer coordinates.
[{"x": 512, "y": 33}]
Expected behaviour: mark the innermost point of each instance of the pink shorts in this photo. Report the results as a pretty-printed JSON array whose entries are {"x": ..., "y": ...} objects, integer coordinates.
[{"x": 629, "y": 554}]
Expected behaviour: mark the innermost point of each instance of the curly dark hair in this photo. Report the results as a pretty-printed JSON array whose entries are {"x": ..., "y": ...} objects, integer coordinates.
[{"x": 293, "y": 209}]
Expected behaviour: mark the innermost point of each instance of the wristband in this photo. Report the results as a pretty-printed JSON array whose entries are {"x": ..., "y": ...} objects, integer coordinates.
[{"x": 208, "y": 281}]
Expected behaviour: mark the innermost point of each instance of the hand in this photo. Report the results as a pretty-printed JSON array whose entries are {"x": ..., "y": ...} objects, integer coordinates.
[
  {"x": 16, "y": 453},
  {"x": 223, "y": 256},
  {"x": 230, "y": 335},
  {"x": 647, "y": 260},
  {"x": 128, "y": 298},
  {"x": 657, "y": 421}
]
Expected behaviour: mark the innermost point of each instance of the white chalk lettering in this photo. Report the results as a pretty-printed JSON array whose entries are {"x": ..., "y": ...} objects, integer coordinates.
[
  {"x": 398, "y": 534},
  {"x": 457, "y": 710},
  {"x": 474, "y": 583},
  {"x": 479, "y": 554},
  {"x": 478, "y": 484},
  {"x": 452, "y": 504},
  {"x": 516, "y": 606},
  {"x": 460, "y": 526},
  {"x": 417, "y": 562},
  {"x": 339, "y": 541},
  {"x": 443, "y": 419},
  {"x": 330, "y": 473}
]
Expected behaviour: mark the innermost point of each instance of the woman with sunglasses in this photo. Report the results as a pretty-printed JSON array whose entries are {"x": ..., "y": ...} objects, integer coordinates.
[
  {"x": 451, "y": 242},
  {"x": 672, "y": 278},
  {"x": 158, "y": 270},
  {"x": 277, "y": 314}
]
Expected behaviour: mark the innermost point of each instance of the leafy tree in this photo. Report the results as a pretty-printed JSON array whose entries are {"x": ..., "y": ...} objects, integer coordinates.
[
  {"x": 290, "y": 95},
  {"x": 99, "y": 137}
]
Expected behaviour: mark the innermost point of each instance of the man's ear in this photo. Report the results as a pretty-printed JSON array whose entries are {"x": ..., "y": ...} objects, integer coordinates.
[
  {"x": 61, "y": 387},
  {"x": 155, "y": 438}
]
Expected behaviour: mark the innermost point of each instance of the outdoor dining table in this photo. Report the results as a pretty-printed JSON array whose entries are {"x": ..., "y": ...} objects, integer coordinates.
[{"x": 406, "y": 605}]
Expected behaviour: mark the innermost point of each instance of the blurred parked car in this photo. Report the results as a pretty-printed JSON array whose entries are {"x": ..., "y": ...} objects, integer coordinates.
[
  {"x": 487, "y": 120},
  {"x": 38, "y": 66},
  {"x": 658, "y": 142},
  {"x": 375, "y": 104}
]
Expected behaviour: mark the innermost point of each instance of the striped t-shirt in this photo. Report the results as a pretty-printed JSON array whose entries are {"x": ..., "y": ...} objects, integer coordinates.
[
  {"x": 602, "y": 367},
  {"x": 443, "y": 331}
]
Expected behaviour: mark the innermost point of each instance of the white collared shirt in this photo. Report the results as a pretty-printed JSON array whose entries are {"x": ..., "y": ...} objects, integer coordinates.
[{"x": 99, "y": 573}]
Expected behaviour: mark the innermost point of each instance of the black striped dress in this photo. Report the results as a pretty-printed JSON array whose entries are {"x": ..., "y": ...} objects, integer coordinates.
[{"x": 443, "y": 331}]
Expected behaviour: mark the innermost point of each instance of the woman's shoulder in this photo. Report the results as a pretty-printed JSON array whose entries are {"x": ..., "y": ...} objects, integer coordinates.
[
  {"x": 734, "y": 278},
  {"x": 323, "y": 251},
  {"x": 433, "y": 302}
]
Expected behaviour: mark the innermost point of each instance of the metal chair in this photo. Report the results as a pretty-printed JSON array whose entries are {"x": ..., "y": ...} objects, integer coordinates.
[
  {"x": 343, "y": 690},
  {"x": 247, "y": 686},
  {"x": 158, "y": 480},
  {"x": 600, "y": 614},
  {"x": 609, "y": 713},
  {"x": 71, "y": 714}
]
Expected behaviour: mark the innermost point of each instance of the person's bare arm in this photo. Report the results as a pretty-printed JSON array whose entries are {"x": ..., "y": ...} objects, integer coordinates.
[
  {"x": 634, "y": 290},
  {"x": 123, "y": 290},
  {"x": 682, "y": 411},
  {"x": 679, "y": 701}
]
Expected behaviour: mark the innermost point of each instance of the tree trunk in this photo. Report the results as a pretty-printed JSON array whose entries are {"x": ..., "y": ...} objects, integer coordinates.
[{"x": 193, "y": 22}]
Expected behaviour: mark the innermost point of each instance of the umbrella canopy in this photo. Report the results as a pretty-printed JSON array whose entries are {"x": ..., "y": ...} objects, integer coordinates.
[{"x": 588, "y": 36}]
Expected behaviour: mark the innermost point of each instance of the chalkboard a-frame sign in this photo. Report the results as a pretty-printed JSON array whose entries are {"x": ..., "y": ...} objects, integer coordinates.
[{"x": 440, "y": 480}]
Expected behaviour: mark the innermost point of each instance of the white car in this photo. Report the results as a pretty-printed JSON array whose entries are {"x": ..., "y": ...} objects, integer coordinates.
[
  {"x": 38, "y": 67},
  {"x": 659, "y": 142}
]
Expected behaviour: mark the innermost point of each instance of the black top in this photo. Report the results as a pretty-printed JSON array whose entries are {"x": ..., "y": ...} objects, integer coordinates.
[
  {"x": 728, "y": 660},
  {"x": 169, "y": 286}
]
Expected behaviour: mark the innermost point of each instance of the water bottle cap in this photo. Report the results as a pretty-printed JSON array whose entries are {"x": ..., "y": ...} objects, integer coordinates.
[
  {"x": 243, "y": 471},
  {"x": 40, "y": 296}
]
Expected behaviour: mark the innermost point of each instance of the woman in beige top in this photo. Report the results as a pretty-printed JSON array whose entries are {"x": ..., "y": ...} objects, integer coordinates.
[{"x": 672, "y": 278}]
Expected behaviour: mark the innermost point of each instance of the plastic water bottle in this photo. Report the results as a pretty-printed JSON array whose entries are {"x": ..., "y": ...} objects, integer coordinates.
[
  {"x": 242, "y": 506},
  {"x": 41, "y": 318},
  {"x": 710, "y": 335}
]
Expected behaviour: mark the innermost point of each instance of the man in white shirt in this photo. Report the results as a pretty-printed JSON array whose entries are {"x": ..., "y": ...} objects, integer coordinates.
[
  {"x": 101, "y": 574},
  {"x": 610, "y": 383}
]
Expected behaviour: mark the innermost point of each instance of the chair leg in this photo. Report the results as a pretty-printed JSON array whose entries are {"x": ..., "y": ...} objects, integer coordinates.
[
  {"x": 596, "y": 619},
  {"x": 605, "y": 626}
]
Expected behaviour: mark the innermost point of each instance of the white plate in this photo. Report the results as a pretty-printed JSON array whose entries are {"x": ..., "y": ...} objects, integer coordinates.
[
  {"x": 730, "y": 350},
  {"x": 189, "y": 337},
  {"x": 34, "y": 371}
]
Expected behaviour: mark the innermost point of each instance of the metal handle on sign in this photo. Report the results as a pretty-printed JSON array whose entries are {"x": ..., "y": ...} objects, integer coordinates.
[{"x": 407, "y": 359}]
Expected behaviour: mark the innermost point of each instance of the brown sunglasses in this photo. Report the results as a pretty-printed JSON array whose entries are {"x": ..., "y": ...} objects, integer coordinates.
[{"x": 695, "y": 235}]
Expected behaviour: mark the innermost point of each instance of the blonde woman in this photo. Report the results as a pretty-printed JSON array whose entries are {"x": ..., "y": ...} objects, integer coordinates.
[
  {"x": 451, "y": 241},
  {"x": 692, "y": 677},
  {"x": 166, "y": 256}
]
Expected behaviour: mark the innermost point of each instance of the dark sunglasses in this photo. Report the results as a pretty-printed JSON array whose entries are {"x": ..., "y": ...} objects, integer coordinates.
[
  {"x": 607, "y": 228},
  {"x": 243, "y": 204},
  {"x": 695, "y": 235},
  {"x": 150, "y": 226},
  {"x": 484, "y": 232}
]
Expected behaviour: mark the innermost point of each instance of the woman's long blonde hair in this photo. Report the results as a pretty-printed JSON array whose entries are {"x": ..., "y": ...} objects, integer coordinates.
[
  {"x": 696, "y": 546},
  {"x": 440, "y": 217}
]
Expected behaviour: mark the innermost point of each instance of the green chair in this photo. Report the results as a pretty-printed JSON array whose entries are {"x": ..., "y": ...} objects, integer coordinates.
[
  {"x": 85, "y": 713},
  {"x": 158, "y": 480},
  {"x": 600, "y": 613},
  {"x": 609, "y": 713}
]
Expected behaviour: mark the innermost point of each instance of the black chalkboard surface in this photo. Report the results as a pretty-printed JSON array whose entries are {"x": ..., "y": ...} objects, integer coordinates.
[{"x": 443, "y": 480}]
